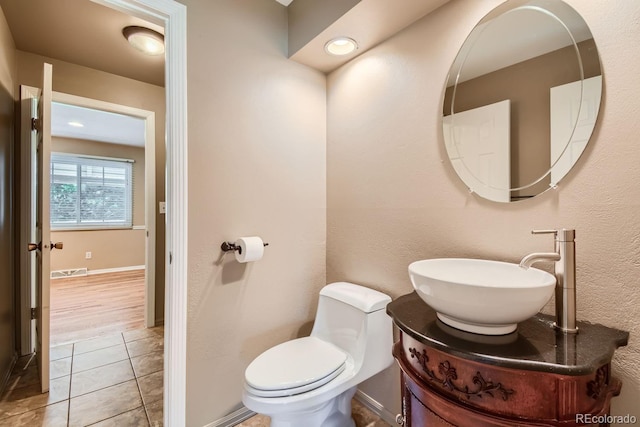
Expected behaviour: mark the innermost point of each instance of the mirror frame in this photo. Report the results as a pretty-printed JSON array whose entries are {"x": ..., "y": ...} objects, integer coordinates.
[{"x": 556, "y": 10}]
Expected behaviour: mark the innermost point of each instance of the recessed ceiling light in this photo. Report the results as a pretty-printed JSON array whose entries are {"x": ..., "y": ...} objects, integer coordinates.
[
  {"x": 145, "y": 40},
  {"x": 341, "y": 46},
  {"x": 76, "y": 124}
]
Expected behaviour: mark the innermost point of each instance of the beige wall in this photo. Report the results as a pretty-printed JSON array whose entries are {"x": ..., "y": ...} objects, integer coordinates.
[
  {"x": 81, "y": 81},
  {"x": 109, "y": 248},
  {"x": 393, "y": 197},
  {"x": 256, "y": 167},
  {"x": 7, "y": 199}
]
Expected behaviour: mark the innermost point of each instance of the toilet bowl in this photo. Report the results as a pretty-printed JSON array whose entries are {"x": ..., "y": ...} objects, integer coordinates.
[{"x": 310, "y": 381}]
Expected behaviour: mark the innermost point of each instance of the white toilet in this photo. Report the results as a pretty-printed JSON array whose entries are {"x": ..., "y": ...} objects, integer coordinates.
[{"x": 309, "y": 382}]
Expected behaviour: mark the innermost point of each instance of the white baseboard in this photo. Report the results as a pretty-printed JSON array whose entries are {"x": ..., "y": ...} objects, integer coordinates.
[
  {"x": 116, "y": 270},
  {"x": 375, "y": 407},
  {"x": 83, "y": 271},
  {"x": 233, "y": 418},
  {"x": 72, "y": 272}
]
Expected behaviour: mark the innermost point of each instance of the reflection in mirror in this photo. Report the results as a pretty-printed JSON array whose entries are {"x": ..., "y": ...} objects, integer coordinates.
[{"x": 522, "y": 99}]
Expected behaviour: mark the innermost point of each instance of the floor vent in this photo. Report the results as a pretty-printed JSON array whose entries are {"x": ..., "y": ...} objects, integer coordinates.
[{"x": 58, "y": 274}]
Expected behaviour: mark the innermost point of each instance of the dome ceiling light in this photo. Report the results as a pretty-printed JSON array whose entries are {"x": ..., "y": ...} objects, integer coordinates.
[{"x": 145, "y": 40}]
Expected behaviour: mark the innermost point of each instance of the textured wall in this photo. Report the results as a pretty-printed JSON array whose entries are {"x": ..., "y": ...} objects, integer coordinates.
[
  {"x": 7, "y": 223},
  {"x": 393, "y": 198},
  {"x": 256, "y": 167},
  {"x": 81, "y": 81}
]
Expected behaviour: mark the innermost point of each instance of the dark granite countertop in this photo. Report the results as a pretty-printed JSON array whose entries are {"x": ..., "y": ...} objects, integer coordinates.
[{"x": 535, "y": 345}]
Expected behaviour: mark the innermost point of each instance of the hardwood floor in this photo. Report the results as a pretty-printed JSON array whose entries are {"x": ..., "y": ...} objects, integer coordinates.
[{"x": 97, "y": 305}]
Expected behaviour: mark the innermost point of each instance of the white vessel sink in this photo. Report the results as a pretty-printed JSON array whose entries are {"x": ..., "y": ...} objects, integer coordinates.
[{"x": 479, "y": 296}]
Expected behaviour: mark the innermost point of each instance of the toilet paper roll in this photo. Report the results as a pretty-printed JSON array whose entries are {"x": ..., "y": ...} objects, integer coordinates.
[{"x": 251, "y": 249}]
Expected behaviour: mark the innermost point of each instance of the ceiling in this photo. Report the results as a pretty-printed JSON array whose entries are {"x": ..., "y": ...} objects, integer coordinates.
[
  {"x": 368, "y": 22},
  {"x": 71, "y": 121},
  {"x": 82, "y": 32},
  {"x": 85, "y": 33}
]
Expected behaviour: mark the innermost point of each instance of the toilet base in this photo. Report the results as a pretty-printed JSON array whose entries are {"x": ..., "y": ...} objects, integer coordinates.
[{"x": 333, "y": 413}]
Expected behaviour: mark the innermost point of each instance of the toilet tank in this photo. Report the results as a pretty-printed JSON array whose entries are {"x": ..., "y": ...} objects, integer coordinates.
[{"x": 354, "y": 318}]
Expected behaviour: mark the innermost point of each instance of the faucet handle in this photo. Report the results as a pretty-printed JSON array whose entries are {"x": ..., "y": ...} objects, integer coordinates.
[
  {"x": 554, "y": 232},
  {"x": 564, "y": 235}
]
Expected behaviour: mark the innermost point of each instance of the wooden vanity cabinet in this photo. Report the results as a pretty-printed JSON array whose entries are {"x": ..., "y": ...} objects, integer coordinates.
[{"x": 533, "y": 377}]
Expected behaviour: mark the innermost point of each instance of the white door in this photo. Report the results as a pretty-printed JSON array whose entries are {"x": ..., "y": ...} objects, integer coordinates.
[
  {"x": 478, "y": 142},
  {"x": 574, "y": 110},
  {"x": 44, "y": 246}
]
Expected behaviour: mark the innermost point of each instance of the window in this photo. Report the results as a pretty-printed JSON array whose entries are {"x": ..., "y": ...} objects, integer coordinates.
[{"x": 89, "y": 192}]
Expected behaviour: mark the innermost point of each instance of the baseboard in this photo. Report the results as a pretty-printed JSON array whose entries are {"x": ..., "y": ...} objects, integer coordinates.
[
  {"x": 375, "y": 407},
  {"x": 233, "y": 418},
  {"x": 116, "y": 270},
  {"x": 71, "y": 272},
  {"x": 4, "y": 380},
  {"x": 83, "y": 271}
]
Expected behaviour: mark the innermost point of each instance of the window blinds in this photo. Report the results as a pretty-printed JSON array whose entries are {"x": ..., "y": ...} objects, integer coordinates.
[{"x": 89, "y": 192}]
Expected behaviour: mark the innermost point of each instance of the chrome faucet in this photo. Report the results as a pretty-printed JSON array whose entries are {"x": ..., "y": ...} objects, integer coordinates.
[{"x": 564, "y": 259}]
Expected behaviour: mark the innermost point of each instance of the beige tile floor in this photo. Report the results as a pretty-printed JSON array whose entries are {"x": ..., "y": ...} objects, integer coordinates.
[
  {"x": 362, "y": 416},
  {"x": 115, "y": 380},
  {"x": 108, "y": 381}
]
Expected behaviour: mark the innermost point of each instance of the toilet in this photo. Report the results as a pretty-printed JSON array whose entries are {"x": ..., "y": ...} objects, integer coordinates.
[{"x": 309, "y": 382}]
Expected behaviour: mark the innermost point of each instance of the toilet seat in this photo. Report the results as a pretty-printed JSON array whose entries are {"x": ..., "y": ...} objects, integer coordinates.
[{"x": 295, "y": 367}]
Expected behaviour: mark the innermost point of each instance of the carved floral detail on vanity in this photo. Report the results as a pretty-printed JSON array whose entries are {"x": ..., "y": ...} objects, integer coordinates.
[
  {"x": 599, "y": 385},
  {"x": 449, "y": 375}
]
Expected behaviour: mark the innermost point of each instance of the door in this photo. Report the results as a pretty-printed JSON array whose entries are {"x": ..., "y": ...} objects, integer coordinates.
[
  {"x": 42, "y": 125},
  {"x": 574, "y": 110},
  {"x": 478, "y": 142}
]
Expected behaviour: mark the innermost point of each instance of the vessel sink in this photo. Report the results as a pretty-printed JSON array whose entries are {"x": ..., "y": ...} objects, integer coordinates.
[{"x": 481, "y": 296}]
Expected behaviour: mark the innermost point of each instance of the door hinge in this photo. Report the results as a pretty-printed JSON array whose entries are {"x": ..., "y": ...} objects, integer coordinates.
[
  {"x": 34, "y": 313},
  {"x": 36, "y": 124}
]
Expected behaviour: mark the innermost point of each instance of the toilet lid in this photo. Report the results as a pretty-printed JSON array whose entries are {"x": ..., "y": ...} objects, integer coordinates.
[{"x": 301, "y": 364}]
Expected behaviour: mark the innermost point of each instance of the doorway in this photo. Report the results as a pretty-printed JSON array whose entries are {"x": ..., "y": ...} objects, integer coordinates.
[
  {"x": 116, "y": 225},
  {"x": 106, "y": 271},
  {"x": 170, "y": 14}
]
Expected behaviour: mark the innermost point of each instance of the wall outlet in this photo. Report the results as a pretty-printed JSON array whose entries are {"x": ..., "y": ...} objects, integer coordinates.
[{"x": 87, "y": 255}]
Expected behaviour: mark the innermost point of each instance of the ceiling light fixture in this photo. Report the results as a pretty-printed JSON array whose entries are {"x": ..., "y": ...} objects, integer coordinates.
[
  {"x": 341, "y": 46},
  {"x": 144, "y": 39},
  {"x": 76, "y": 124}
]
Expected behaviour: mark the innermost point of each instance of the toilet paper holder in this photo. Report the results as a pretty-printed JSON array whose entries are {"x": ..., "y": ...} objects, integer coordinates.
[{"x": 232, "y": 247}]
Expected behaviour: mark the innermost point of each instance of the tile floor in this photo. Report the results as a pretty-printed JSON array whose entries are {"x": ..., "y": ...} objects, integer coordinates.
[
  {"x": 115, "y": 380},
  {"x": 362, "y": 416},
  {"x": 110, "y": 381}
]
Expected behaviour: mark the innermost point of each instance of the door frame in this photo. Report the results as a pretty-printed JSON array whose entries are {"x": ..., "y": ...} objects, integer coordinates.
[
  {"x": 149, "y": 186},
  {"x": 173, "y": 17},
  {"x": 26, "y": 259}
]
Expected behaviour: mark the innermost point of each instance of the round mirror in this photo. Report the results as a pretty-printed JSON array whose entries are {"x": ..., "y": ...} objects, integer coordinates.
[{"x": 522, "y": 99}]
